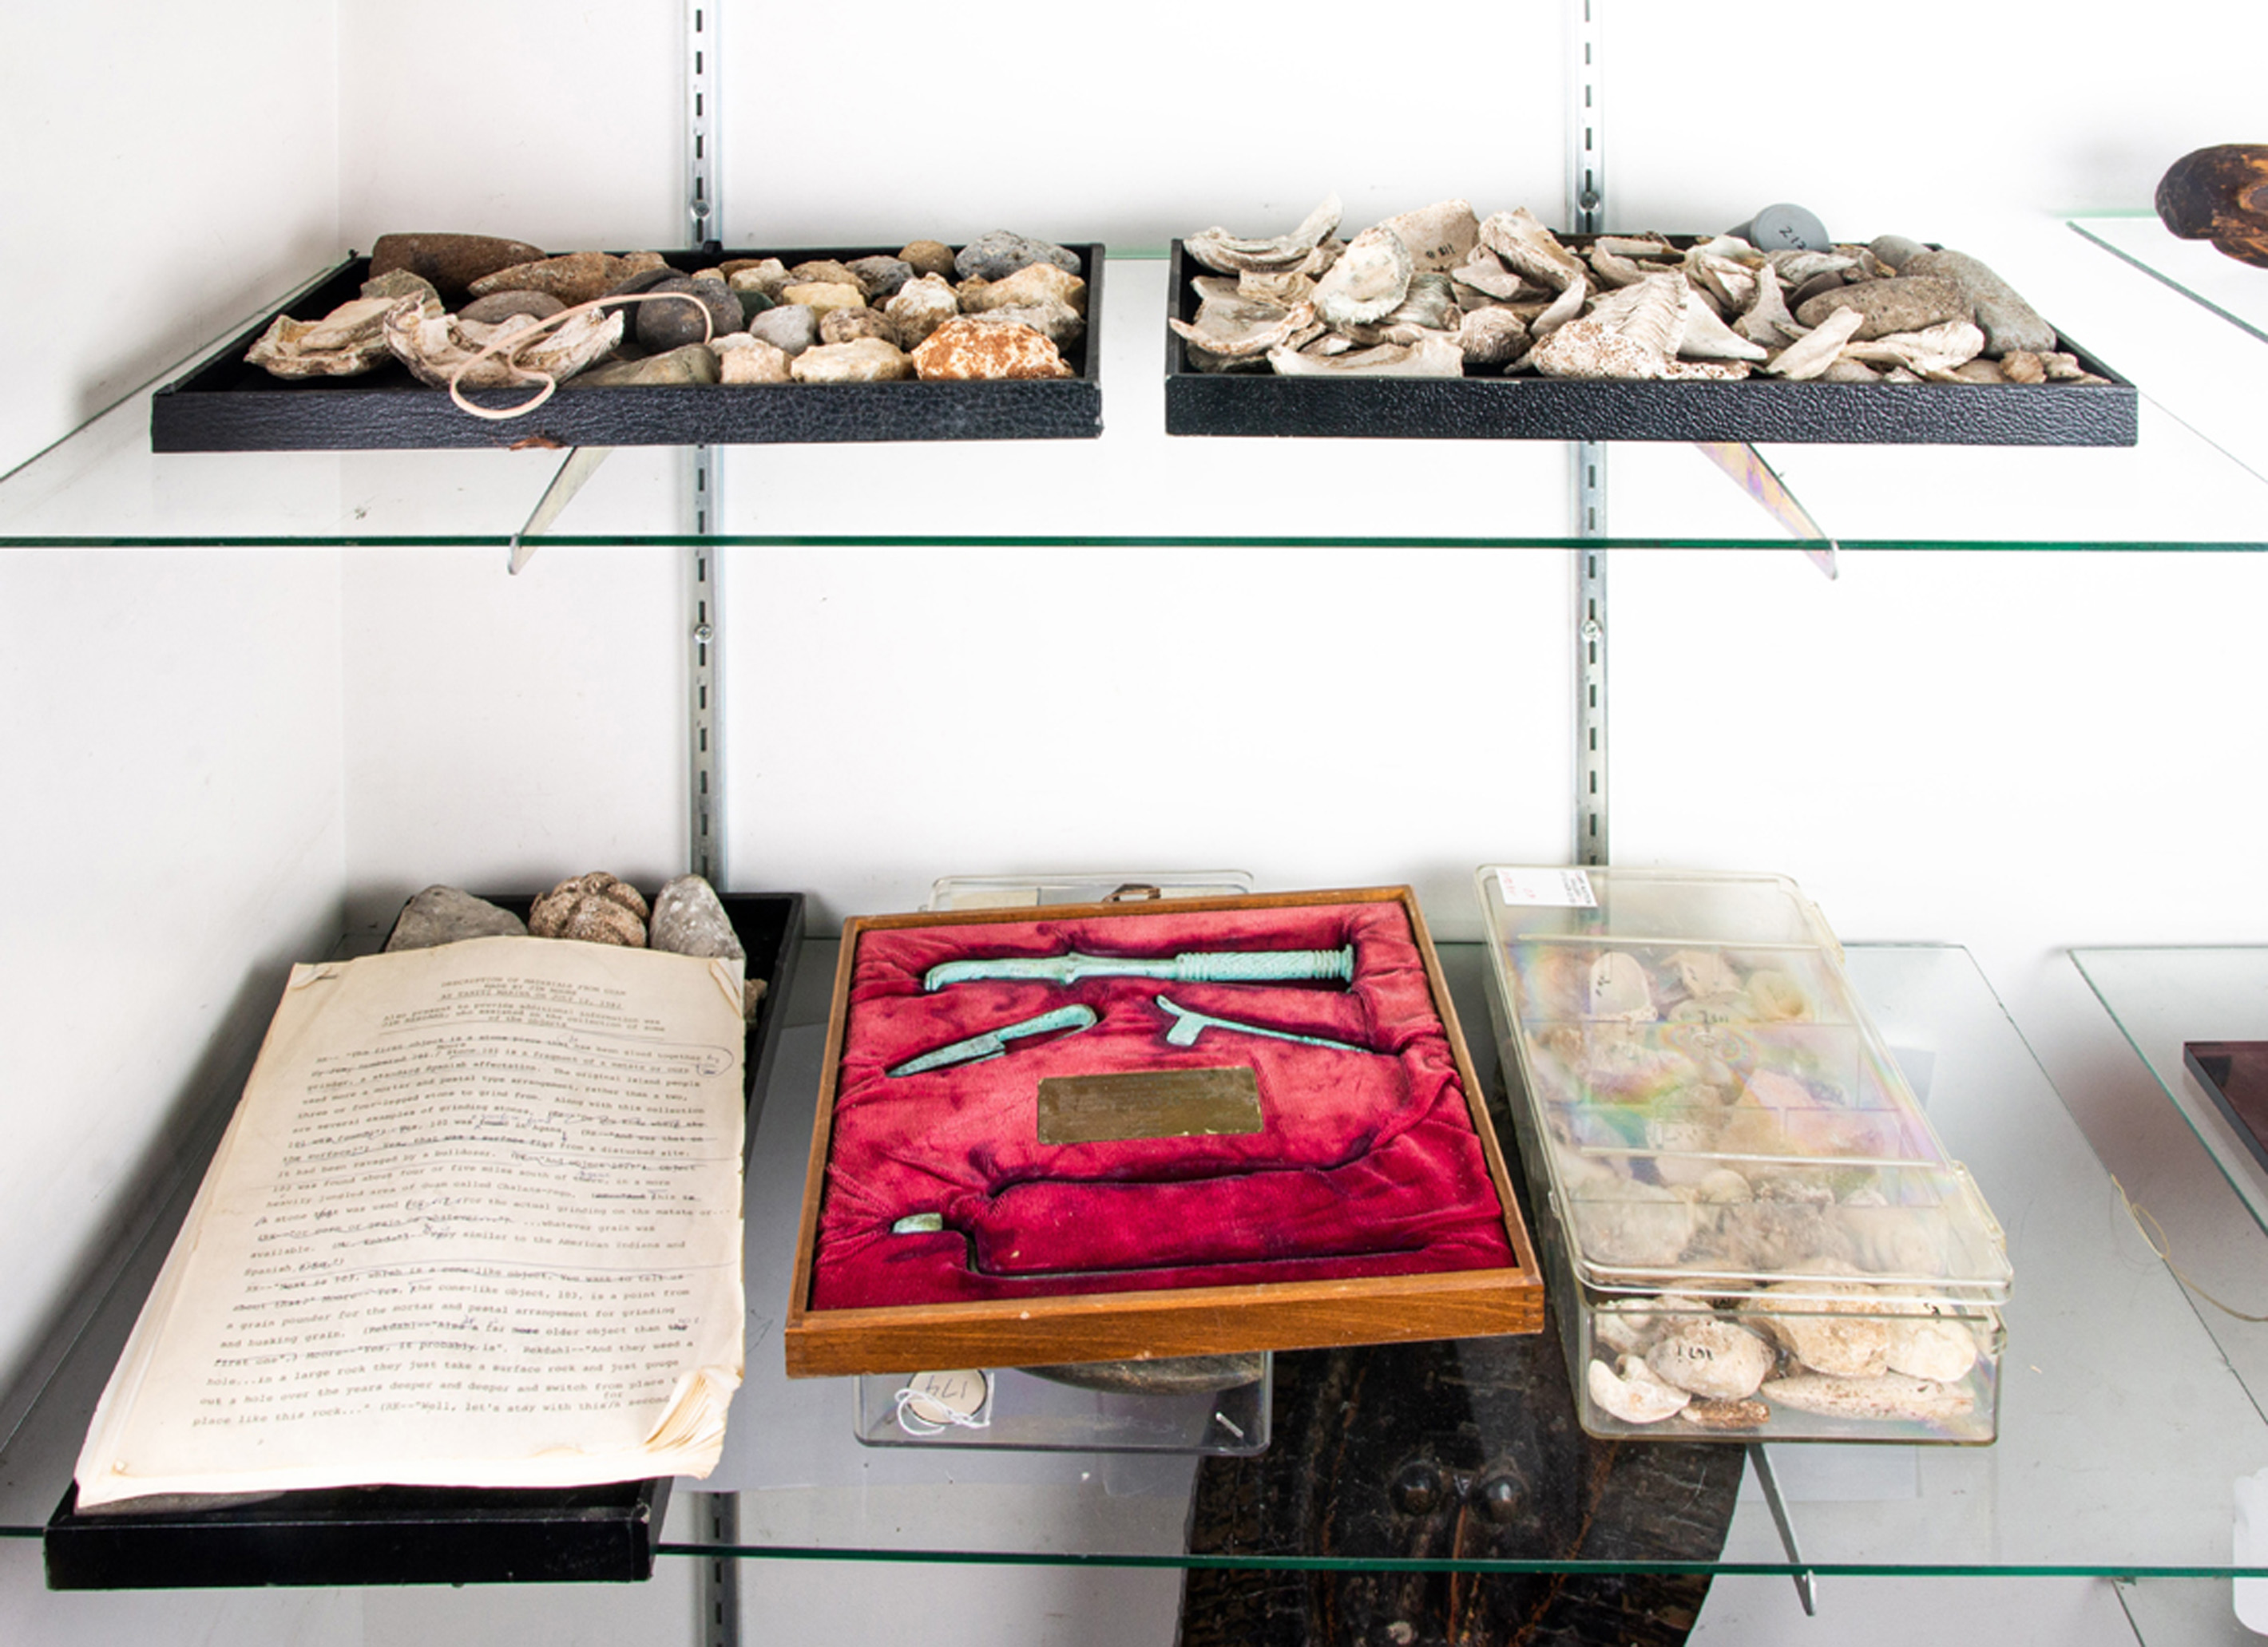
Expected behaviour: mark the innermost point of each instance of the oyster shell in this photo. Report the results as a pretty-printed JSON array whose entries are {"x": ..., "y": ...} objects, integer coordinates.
[
  {"x": 1369, "y": 279},
  {"x": 1225, "y": 253},
  {"x": 1713, "y": 1358},
  {"x": 1286, "y": 286},
  {"x": 1628, "y": 334},
  {"x": 1239, "y": 328},
  {"x": 1832, "y": 1328},
  {"x": 1766, "y": 319},
  {"x": 1636, "y": 1396},
  {"x": 447, "y": 352},
  {"x": 1706, "y": 337},
  {"x": 348, "y": 341},
  {"x": 1887, "y": 1395},
  {"x": 1527, "y": 246},
  {"x": 1439, "y": 236},
  {"x": 1924, "y": 1347},
  {"x": 1939, "y": 348},
  {"x": 1484, "y": 272},
  {"x": 1561, "y": 309},
  {"x": 1492, "y": 337},
  {"x": 1431, "y": 305},
  {"x": 1434, "y": 355},
  {"x": 1816, "y": 349},
  {"x": 1637, "y": 1224}
]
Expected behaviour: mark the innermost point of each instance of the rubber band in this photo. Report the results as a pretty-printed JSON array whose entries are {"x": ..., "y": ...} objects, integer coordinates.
[
  {"x": 2154, "y": 1233},
  {"x": 914, "y": 1424},
  {"x": 510, "y": 345}
]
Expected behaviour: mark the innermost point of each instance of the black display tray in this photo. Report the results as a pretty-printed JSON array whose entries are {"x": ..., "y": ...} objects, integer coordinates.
[
  {"x": 1530, "y": 408},
  {"x": 400, "y": 1535},
  {"x": 223, "y": 404}
]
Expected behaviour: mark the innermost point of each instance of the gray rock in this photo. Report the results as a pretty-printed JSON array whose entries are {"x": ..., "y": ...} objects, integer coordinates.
[
  {"x": 443, "y": 915},
  {"x": 694, "y": 364},
  {"x": 1893, "y": 250},
  {"x": 996, "y": 255},
  {"x": 2007, "y": 322},
  {"x": 662, "y": 327},
  {"x": 690, "y": 919},
  {"x": 502, "y": 306},
  {"x": 1830, "y": 281},
  {"x": 400, "y": 283},
  {"x": 766, "y": 275},
  {"x": 791, "y": 326},
  {"x": 882, "y": 277},
  {"x": 1904, "y": 303}
]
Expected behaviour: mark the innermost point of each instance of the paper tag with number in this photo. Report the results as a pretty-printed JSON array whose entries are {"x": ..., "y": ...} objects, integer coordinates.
[
  {"x": 947, "y": 1398},
  {"x": 1550, "y": 888}
]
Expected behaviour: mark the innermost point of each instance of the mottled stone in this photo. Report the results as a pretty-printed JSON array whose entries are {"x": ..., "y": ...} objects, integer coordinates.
[
  {"x": 767, "y": 276},
  {"x": 882, "y": 277},
  {"x": 1057, "y": 322},
  {"x": 1892, "y": 251},
  {"x": 2007, "y": 322},
  {"x": 577, "y": 277},
  {"x": 1034, "y": 283},
  {"x": 929, "y": 257},
  {"x": 451, "y": 262},
  {"x": 594, "y": 908},
  {"x": 920, "y": 307},
  {"x": 502, "y": 306},
  {"x": 400, "y": 283},
  {"x": 971, "y": 345},
  {"x": 666, "y": 326},
  {"x": 741, "y": 358},
  {"x": 694, "y": 364},
  {"x": 824, "y": 271},
  {"x": 1904, "y": 303},
  {"x": 690, "y": 919},
  {"x": 1825, "y": 281},
  {"x": 848, "y": 324},
  {"x": 445, "y": 915},
  {"x": 791, "y": 326},
  {"x": 868, "y": 360},
  {"x": 996, "y": 255},
  {"x": 821, "y": 296}
]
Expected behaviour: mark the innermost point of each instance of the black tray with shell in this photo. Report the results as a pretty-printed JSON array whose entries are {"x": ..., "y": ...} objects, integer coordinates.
[
  {"x": 1492, "y": 407},
  {"x": 395, "y": 1535},
  {"x": 224, "y": 405}
]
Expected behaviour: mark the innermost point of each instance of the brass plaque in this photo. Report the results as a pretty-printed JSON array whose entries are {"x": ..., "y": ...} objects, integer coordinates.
[{"x": 1148, "y": 1103}]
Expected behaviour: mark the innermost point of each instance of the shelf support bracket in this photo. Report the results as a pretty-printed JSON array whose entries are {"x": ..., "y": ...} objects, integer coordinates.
[
  {"x": 1587, "y": 213},
  {"x": 581, "y": 464},
  {"x": 1806, "y": 1584},
  {"x": 1748, "y": 471}
]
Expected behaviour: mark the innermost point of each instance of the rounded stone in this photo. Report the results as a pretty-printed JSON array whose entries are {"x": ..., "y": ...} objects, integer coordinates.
[
  {"x": 920, "y": 307},
  {"x": 847, "y": 325},
  {"x": 996, "y": 255},
  {"x": 868, "y": 360},
  {"x": 928, "y": 257},
  {"x": 666, "y": 326},
  {"x": 577, "y": 277},
  {"x": 765, "y": 276},
  {"x": 502, "y": 306},
  {"x": 824, "y": 271},
  {"x": 693, "y": 365},
  {"x": 971, "y": 345},
  {"x": 820, "y": 296},
  {"x": 1904, "y": 303},
  {"x": 2009, "y": 323},
  {"x": 791, "y": 326},
  {"x": 690, "y": 919},
  {"x": 744, "y": 359},
  {"x": 882, "y": 277}
]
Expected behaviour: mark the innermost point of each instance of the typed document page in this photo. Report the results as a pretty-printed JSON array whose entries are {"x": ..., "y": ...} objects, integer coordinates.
[{"x": 476, "y": 1222}]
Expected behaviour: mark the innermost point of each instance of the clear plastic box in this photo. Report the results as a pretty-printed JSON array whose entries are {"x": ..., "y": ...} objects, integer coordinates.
[{"x": 1749, "y": 1229}]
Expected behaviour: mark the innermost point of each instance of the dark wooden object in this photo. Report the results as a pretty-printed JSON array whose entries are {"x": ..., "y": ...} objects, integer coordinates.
[
  {"x": 1450, "y": 1452},
  {"x": 1183, "y": 1321},
  {"x": 1530, "y": 408},
  {"x": 2219, "y": 194}
]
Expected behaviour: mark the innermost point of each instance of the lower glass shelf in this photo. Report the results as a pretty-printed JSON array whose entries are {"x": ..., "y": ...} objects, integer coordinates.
[{"x": 2122, "y": 1426}]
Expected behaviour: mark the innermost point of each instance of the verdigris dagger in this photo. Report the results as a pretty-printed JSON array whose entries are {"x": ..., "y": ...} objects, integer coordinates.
[
  {"x": 993, "y": 1043},
  {"x": 1225, "y": 966}
]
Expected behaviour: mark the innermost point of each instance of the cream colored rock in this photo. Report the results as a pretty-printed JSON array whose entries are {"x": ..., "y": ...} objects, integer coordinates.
[
  {"x": 744, "y": 359},
  {"x": 1832, "y": 1329},
  {"x": 767, "y": 278},
  {"x": 820, "y": 296},
  {"x": 1058, "y": 322},
  {"x": 1636, "y": 1397},
  {"x": 920, "y": 306},
  {"x": 348, "y": 341},
  {"x": 865, "y": 360},
  {"x": 1885, "y": 1395},
  {"x": 1034, "y": 283},
  {"x": 1928, "y": 1346},
  {"x": 1716, "y": 1359}
]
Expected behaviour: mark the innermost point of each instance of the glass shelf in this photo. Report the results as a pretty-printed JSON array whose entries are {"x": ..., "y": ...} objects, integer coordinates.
[
  {"x": 2190, "y": 483},
  {"x": 2122, "y": 1426},
  {"x": 2161, "y": 998}
]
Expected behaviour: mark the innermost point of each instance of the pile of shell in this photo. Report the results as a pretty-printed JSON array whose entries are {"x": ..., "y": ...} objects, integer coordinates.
[
  {"x": 1441, "y": 292},
  {"x": 1003, "y": 306},
  {"x": 685, "y": 918},
  {"x": 1835, "y": 1349}
]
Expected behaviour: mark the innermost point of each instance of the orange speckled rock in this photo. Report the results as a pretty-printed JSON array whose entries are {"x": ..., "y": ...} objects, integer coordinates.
[{"x": 977, "y": 346}]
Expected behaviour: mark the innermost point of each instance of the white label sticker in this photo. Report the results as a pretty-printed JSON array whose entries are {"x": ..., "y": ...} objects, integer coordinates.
[
  {"x": 1553, "y": 888},
  {"x": 945, "y": 1398}
]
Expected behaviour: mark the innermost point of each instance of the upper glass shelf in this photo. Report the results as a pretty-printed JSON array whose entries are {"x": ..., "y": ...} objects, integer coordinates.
[
  {"x": 2122, "y": 1426},
  {"x": 2194, "y": 480}
]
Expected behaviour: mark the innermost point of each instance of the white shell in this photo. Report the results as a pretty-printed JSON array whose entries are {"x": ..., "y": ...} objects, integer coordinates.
[
  {"x": 1821, "y": 1327},
  {"x": 1625, "y": 1326},
  {"x": 1368, "y": 282},
  {"x": 1561, "y": 309},
  {"x": 1527, "y": 246},
  {"x": 348, "y": 341},
  {"x": 1706, "y": 337},
  {"x": 1641, "y": 1399},
  {"x": 1890, "y": 1395},
  {"x": 1711, "y": 1358},
  {"x": 1617, "y": 988},
  {"x": 1225, "y": 253},
  {"x": 1485, "y": 273},
  {"x": 1238, "y": 328},
  {"x": 1439, "y": 236},
  {"x": 1628, "y": 334},
  {"x": 1817, "y": 349},
  {"x": 1767, "y": 319},
  {"x": 1492, "y": 337},
  {"x": 1435, "y": 355},
  {"x": 434, "y": 346},
  {"x": 1924, "y": 1347},
  {"x": 1939, "y": 348}
]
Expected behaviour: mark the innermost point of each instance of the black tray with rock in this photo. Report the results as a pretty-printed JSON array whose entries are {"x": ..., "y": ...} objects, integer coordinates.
[
  {"x": 1440, "y": 325},
  {"x": 396, "y": 1534},
  {"x": 460, "y": 341}
]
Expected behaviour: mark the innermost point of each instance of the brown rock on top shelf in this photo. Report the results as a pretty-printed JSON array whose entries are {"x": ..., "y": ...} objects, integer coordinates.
[
  {"x": 453, "y": 262},
  {"x": 594, "y": 909},
  {"x": 576, "y": 278}
]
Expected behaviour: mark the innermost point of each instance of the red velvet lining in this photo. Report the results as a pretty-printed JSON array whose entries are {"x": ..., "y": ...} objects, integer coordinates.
[{"x": 1368, "y": 1164}]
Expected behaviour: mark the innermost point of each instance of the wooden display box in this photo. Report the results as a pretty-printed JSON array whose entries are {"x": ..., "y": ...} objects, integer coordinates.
[
  {"x": 1172, "y": 1319},
  {"x": 1532, "y": 407},
  {"x": 224, "y": 405}
]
